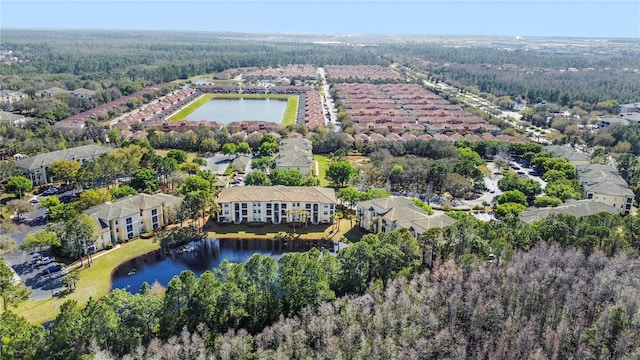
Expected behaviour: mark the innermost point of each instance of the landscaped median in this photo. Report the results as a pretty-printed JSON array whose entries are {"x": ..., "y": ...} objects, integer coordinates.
[{"x": 95, "y": 282}]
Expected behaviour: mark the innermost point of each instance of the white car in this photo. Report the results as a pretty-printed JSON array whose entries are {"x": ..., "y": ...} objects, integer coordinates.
[{"x": 44, "y": 261}]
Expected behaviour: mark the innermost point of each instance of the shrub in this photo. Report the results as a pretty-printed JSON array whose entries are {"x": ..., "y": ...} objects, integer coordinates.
[{"x": 147, "y": 235}]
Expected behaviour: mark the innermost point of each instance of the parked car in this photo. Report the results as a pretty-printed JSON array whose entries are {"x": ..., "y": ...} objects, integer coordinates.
[
  {"x": 52, "y": 269},
  {"x": 50, "y": 191},
  {"x": 35, "y": 200},
  {"x": 44, "y": 261}
]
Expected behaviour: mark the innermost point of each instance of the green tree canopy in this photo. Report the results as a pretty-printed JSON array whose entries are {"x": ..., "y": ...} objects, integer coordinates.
[
  {"x": 268, "y": 148},
  {"x": 93, "y": 197},
  {"x": 229, "y": 149},
  {"x": 262, "y": 163},
  {"x": 257, "y": 178},
  {"x": 118, "y": 192},
  {"x": 41, "y": 239},
  {"x": 18, "y": 185},
  {"x": 64, "y": 170},
  {"x": 512, "y": 196},
  {"x": 288, "y": 177},
  {"x": 340, "y": 172},
  {"x": 145, "y": 180},
  {"x": 547, "y": 201},
  {"x": 195, "y": 183},
  {"x": 11, "y": 292},
  {"x": 180, "y": 156}
]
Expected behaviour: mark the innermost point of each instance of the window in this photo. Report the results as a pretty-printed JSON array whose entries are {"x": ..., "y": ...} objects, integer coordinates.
[
  {"x": 326, "y": 213},
  {"x": 154, "y": 219},
  {"x": 116, "y": 222},
  {"x": 154, "y": 212},
  {"x": 268, "y": 212},
  {"x": 226, "y": 212},
  {"x": 244, "y": 205},
  {"x": 129, "y": 221},
  {"x": 129, "y": 228},
  {"x": 244, "y": 212},
  {"x": 225, "y": 205},
  {"x": 269, "y": 206}
]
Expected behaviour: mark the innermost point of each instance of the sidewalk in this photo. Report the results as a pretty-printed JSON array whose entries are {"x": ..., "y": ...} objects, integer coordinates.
[{"x": 93, "y": 257}]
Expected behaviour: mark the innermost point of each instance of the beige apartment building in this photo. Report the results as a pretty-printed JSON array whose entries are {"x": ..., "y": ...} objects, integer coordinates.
[{"x": 276, "y": 204}]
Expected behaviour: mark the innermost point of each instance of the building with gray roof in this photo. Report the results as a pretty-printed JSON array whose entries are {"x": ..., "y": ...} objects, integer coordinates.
[
  {"x": 603, "y": 183},
  {"x": 577, "y": 208},
  {"x": 131, "y": 216},
  {"x": 295, "y": 153},
  {"x": 397, "y": 212},
  {"x": 573, "y": 156},
  {"x": 36, "y": 167}
]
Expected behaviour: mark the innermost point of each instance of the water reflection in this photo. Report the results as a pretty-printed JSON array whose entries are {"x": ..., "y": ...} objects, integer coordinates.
[{"x": 200, "y": 256}]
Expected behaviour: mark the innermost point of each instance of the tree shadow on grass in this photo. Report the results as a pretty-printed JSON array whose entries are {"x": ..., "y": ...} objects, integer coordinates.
[{"x": 355, "y": 234}]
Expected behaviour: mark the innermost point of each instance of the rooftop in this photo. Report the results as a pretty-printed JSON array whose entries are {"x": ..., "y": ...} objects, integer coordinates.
[
  {"x": 312, "y": 194},
  {"x": 577, "y": 208}
]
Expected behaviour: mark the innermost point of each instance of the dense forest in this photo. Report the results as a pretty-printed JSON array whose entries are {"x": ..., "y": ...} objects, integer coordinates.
[
  {"x": 566, "y": 75},
  {"x": 562, "y": 287}
]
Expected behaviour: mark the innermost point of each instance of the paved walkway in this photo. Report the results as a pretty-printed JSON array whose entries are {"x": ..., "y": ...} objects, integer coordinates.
[{"x": 93, "y": 257}]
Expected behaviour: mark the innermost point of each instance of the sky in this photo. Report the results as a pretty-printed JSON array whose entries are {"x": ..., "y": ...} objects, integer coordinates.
[{"x": 618, "y": 19}]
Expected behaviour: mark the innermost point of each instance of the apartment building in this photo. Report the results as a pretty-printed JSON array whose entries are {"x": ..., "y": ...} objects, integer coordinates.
[{"x": 276, "y": 204}]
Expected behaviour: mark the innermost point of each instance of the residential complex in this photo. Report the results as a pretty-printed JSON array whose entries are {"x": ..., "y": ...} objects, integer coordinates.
[
  {"x": 603, "y": 184},
  {"x": 131, "y": 216},
  {"x": 396, "y": 212},
  {"x": 574, "y": 157},
  {"x": 295, "y": 153},
  {"x": 577, "y": 208},
  {"x": 276, "y": 204},
  {"x": 37, "y": 167}
]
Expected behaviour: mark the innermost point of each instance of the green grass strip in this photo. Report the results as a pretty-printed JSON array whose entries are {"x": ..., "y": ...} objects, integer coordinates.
[
  {"x": 291, "y": 111},
  {"x": 95, "y": 282},
  {"x": 323, "y": 164},
  {"x": 185, "y": 111}
]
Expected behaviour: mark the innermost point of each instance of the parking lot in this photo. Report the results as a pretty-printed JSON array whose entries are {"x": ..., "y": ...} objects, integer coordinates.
[{"x": 24, "y": 263}]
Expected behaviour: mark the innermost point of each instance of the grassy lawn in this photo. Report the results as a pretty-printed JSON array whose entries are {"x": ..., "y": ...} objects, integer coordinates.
[
  {"x": 309, "y": 232},
  {"x": 323, "y": 163},
  {"x": 291, "y": 111},
  {"x": 185, "y": 111},
  {"x": 95, "y": 282},
  {"x": 190, "y": 155}
]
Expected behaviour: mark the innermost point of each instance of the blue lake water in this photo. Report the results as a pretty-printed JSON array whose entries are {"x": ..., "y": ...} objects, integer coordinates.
[
  {"x": 225, "y": 111},
  {"x": 201, "y": 256}
]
